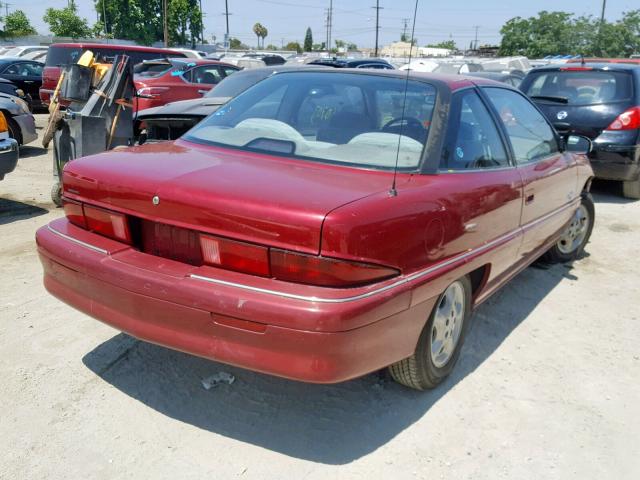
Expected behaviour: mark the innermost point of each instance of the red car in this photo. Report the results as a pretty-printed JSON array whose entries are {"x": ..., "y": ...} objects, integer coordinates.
[
  {"x": 323, "y": 224},
  {"x": 168, "y": 80},
  {"x": 60, "y": 55}
]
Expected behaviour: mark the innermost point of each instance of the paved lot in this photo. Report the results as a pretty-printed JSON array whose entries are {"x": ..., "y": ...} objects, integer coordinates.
[{"x": 548, "y": 385}]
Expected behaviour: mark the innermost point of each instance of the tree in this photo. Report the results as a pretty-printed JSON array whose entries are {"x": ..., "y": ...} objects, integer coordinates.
[
  {"x": 271, "y": 46},
  {"x": 293, "y": 46},
  {"x": 308, "y": 40},
  {"x": 449, "y": 45},
  {"x": 65, "y": 22},
  {"x": 236, "y": 44},
  {"x": 560, "y": 33},
  {"x": 261, "y": 32},
  {"x": 16, "y": 24}
]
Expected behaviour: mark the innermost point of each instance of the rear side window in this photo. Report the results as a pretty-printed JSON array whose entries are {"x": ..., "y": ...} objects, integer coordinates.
[
  {"x": 582, "y": 87},
  {"x": 475, "y": 142},
  {"x": 61, "y": 56},
  {"x": 531, "y": 136}
]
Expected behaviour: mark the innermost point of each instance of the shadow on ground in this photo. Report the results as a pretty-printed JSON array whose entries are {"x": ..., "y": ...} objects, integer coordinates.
[
  {"x": 331, "y": 424},
  {"x": 28, "y": 151},
  {"x": 607, "y": 191},
  {"x": 11, "y": 210}
]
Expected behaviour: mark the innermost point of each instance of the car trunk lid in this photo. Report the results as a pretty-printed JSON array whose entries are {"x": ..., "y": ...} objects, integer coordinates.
[{"x": 242, "y": 195}]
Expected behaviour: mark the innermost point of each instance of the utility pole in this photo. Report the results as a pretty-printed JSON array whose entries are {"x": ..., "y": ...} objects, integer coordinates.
[
  {"x": 6, "y": 8},
  {"x": 604, "y": 7},
  {"x": 475, "y": 45},
  {"x": 405, "y": 22},
  {"x": 201, "y": 24},
  {"x": 378, "y": 8},
  {"x": 165, "y": 23},
  {"x": 226, "y": 14},
  {"x": 330, "y": 24}
]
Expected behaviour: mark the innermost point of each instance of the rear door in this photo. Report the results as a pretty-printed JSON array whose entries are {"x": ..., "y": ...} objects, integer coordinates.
[{"x": 548, "y": 176}]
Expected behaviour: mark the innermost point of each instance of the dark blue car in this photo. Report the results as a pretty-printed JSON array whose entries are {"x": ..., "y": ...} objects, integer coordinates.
[{"x": 602, "y": 102}]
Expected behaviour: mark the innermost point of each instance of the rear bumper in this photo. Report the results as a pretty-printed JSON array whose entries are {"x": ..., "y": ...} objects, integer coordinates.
[
  {"x": 8, "y": 156},
  {"x": 616, "y": 162},
  {"x": 163, "y": 304},
  {"x": 27, "y": 124}
]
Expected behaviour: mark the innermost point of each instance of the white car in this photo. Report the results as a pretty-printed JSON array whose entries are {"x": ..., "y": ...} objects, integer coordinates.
[{"x": 24, "y": 50}]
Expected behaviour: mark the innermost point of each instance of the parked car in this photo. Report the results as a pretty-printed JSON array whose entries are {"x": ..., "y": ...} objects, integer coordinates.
[
  {"x": 172, "y": 120},
  {"x": 458, "y": 68},
  {"x": 158, "y": 82},
  {"x": 374, "y": 63},
  {"x": 518, "y": 64},
  {"x": 24, "y": 50},
  {"x": 510, "y": 78},
  {"x": 323, "y": 224},
  {"x": 38, "y": 55},
  {"x": 21, "y": 124},
  {"x": 26, "y": 75},
  {"x": 631, "y": 60},
  {"x": 191, "y": 53},
  {"x": 269, "y": 59},
  {"x": 601, "y": 101},
  {"x": 420, "y": 65},
  {"x": 60, "y": 55},
  {"x": 10, "y": 90},
  {"x": 8, "y": 149}
]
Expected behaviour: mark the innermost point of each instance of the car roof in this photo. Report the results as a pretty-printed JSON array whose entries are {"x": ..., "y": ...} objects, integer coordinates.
[
  {"x": 17, "y": 59},
  {"x": 588, "y": 66}
]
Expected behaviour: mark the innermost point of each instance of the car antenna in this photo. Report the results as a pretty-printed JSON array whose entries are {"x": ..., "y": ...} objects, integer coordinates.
[
  {"x": 582, "y": 62},
  {"x": 393, "y": 192}
]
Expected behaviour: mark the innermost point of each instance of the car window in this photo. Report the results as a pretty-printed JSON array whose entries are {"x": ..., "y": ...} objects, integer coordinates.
[
  {"x": 531, "y": 136},
  {"x": 343, "y": 118},
  {"x": 475, "y": 141},
  {"x": 209, "y": 74},
  {"x": 582, "y": 87},
  {"x": 23, "y": 69},
  {"x": 228, "y": 70}
]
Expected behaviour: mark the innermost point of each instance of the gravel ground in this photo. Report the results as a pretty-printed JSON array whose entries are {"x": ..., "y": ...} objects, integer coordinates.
[{"x": 548, "y": 384}]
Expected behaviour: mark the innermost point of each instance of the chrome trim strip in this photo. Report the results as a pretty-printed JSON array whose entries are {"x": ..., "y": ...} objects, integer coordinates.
[
  {"x": 407, "y": 279},
  {"x": 76, "y": 241}
]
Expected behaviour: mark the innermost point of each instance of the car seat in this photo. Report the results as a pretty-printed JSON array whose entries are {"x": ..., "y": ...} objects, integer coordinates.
[{"x": 343, "y": 126}]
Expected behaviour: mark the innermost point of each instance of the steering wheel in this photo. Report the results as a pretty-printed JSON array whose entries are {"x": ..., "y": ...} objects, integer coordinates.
[{"x": 409, "y": 122}]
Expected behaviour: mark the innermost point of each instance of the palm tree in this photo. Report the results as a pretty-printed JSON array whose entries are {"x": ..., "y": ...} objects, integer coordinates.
[
  {"x": 257, "y": 29},
  {"x": 264, "y": 32}
]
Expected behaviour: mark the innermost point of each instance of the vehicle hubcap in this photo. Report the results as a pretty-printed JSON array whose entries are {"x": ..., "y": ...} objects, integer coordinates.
[
  {"x": 447, "y": 324},
  {"x": 574, "y": 235}
]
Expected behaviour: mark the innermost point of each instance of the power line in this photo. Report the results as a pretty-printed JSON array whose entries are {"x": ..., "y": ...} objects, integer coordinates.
[{"x": 377, "y": 8}]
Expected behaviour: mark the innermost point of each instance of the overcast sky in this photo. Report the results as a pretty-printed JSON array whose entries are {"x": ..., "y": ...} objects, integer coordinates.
[{"x": 354, "y": 20}]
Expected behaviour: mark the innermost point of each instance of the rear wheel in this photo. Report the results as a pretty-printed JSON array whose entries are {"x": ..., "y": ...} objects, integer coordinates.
[
  {"x": 576, "y": 235},
  {"x": 440, "y": 342},
  {"x": 631, "y": 189},
  {"x": 14, "y": 130}
]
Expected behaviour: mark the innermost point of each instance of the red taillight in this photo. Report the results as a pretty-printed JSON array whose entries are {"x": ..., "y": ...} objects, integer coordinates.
[
  {"x": 107, "y": 223},
  {"x": 233, "y": 255},
  {"x": 152, "y": 92},
  {"x": 323, "y": 271},
  {"x": 74, "y": 213},
  {"x": 628, "y": 120}
]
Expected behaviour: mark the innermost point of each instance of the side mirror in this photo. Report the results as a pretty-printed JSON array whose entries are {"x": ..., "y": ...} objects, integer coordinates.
[{"x": 578, "y": 144}]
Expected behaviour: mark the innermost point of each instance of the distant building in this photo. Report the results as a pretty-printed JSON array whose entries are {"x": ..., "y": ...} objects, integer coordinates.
[
  {"x": 399, "y": 49},
  {"x": 434, "y": 52}
]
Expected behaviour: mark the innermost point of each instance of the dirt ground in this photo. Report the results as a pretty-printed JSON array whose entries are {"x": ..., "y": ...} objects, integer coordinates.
[{"x": 548, "y": 385}]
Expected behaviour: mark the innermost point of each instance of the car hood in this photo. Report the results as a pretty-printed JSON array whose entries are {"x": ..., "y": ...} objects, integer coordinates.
[
  {"x": 249, "y": 196},
  {"x": 200, "y": 107}
]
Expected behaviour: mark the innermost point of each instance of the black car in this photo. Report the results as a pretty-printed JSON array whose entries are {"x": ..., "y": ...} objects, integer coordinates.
[
  {"x": 26, "y": 75},
  {"x": 602, "y": 102},
  {"x": 11, "y": 89},
  {"x": 353, "y": 63},
  {"x": 510, "y": 78}
]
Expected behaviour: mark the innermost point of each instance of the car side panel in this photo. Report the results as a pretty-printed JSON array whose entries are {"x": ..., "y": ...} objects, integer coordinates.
[{"x": 549, "y": 184}]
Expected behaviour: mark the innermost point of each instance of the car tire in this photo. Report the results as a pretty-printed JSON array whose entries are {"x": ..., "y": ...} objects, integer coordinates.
[
  {"x": 431, "y": 363},
  {"x": 56, "y": 194},
  {"x": 631, "y": 189},
  {"x": 14, "y": 130},
  {"x": 576, "y": 235}
]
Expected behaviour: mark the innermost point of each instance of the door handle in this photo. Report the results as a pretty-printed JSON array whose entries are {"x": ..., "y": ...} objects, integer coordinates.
[
  {"x": 529, "y": 199},
  {"x": 202, "y": 92},
  {"x": 28, "y": 81}
]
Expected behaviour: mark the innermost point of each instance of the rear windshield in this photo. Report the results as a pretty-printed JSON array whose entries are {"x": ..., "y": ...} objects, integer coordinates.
[
  {"x": 340, "y": 118},
  {"x": 152, "y": 69},
  {"x": 61, "y": 56},
  {"x": 581, "y": 87}
]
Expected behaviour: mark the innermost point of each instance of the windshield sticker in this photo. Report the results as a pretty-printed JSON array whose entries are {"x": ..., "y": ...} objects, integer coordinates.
[{"x": 459, "y": 152}]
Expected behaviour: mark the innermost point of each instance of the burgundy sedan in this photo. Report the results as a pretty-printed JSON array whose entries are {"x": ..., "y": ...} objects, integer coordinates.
[
  {"x": 323, "y": 225},
  {"x": 162, "y": 81}
]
